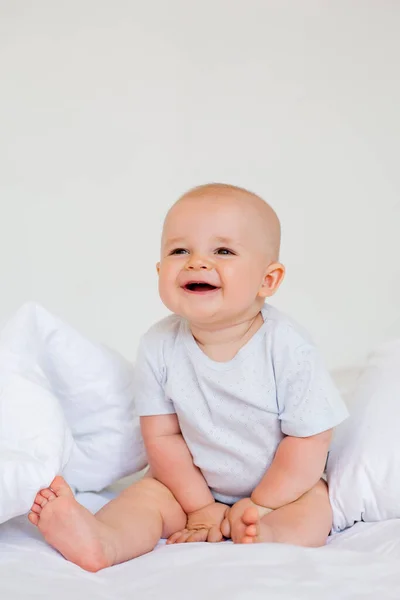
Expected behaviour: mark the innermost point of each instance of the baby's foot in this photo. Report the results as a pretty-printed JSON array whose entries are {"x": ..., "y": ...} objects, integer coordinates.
[
  {"x": 254, "y": 530},
  {"x": 71, "y": 528}
]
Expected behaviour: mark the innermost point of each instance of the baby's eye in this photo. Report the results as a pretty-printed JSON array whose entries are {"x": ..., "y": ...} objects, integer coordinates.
[
  {"x": 224, "y": 251},
  {"x": 179, "y": 251}
]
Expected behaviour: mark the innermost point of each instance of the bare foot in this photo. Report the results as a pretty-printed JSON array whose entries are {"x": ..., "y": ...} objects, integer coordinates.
[
  {"x": 71, "y": 528},
  {"x": 254, "y": 530}
]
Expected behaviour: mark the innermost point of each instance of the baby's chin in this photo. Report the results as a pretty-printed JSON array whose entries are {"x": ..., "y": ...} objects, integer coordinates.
[
  {"x": 208, "y": 314},
  {"x": 201, "y": 317},
  {"x": 213, "y": 310}
]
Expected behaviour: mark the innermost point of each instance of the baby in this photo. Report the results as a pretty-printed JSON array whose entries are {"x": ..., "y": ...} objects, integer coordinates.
[{"x": 236, "y": 407}]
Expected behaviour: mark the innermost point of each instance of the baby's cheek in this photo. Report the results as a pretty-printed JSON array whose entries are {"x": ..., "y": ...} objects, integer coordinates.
[
  {"x": 242, "y": 282},
  {"x": 167, "y": 292}
]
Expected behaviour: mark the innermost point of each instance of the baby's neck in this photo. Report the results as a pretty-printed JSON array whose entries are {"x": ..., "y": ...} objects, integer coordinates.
[{"x": 223, "y": 343}]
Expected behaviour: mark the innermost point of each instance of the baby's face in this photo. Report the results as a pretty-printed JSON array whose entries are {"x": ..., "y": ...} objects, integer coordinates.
[{"x": 214, "y": 261}]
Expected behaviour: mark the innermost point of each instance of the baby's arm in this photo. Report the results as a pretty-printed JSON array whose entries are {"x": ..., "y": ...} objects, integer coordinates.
[
  {"x": 297, "y": 466},
  {"x": 171, "y": 462}
]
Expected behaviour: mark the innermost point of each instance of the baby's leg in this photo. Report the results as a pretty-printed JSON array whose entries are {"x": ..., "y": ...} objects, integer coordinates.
[
  {"x": 306, "y": 522},
  {"x": 125, "y": 528}
]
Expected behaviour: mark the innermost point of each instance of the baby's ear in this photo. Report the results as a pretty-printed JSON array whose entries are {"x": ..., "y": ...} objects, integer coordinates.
[
  {"x": 272, "y": 280},
  {"x": 158, "y": 268}
]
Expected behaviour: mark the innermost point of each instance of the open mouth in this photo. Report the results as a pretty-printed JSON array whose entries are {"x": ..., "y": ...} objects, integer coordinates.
[{"x": 199, "y": 287}]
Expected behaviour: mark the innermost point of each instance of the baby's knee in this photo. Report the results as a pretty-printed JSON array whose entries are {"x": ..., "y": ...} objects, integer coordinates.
[
  {"x": 155, "y": 496},
  {"x": 150, "y": 485},
  {"x": 148, "y": 489}
]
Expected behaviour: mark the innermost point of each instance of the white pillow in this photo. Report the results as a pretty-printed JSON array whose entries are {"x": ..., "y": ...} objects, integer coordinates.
[
  {"x": 66, "y": 404},
  {"x": 364, "y": 461},
  {"x": 35, "y": 442}
]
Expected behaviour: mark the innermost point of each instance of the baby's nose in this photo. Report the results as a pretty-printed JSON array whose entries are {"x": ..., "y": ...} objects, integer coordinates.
[{"x": 197, "y": 262}]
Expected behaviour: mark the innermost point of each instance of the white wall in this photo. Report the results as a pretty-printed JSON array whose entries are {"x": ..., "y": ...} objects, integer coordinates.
[{"x": 109, "y": 110}]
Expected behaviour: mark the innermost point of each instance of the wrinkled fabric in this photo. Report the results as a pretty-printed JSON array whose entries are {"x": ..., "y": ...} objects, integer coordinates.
[
  {"x": 364, "y": 460},
  {"x": 66, "y": 406}
]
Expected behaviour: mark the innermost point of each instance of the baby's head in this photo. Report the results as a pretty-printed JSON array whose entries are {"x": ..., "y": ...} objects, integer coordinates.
[{"x": 219, "y": 255}]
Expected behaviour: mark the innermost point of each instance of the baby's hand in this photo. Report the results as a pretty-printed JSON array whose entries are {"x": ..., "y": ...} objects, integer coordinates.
[
  {"x": 233, "y": 526},
  {"x": 202, "y": 525}
]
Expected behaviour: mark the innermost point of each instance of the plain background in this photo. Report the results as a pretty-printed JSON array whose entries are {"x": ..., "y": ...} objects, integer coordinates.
[{"x": 110, "y": 110}]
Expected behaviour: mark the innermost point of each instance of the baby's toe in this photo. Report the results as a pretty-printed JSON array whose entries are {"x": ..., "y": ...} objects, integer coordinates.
[
  {"x": 36, "y": 508},
  {"x": 251, "y": 530},
  {"x": 250, "y": 516},
  {"x": 40, "y": 500},
  {"x": 248, "y": 539},
  {"x": 48, "y": 494},
  {"x": 237, "y": 531},
  {"x": 33, "y": 518},
  {"x": 60, "y": 487}
]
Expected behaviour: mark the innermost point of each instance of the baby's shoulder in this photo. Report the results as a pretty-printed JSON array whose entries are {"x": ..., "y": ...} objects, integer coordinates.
[
  {"x": 283, "y": 331},
  {"x": 162, "y": 334}
]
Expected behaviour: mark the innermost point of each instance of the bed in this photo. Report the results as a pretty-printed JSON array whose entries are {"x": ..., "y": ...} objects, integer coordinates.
[{"x": 362, "y": 562}]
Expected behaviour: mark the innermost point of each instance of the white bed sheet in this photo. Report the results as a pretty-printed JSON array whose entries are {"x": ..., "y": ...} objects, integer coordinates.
[{"x": 363, "y": 562}]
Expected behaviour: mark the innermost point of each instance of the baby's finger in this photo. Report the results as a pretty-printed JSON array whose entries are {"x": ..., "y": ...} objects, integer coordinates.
[
  {"x": 226, "y": 528},
  {"x": 175, "y": 536},
  {"x": 198, "y": 536},
  {"x": 185, "y": 535},
  {"x": 214, "y": 535}
]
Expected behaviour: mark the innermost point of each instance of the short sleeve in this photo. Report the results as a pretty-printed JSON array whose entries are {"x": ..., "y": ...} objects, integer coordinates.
[
  {"x": 150, "y": 398},
  {"x": 308, "y": 400}
]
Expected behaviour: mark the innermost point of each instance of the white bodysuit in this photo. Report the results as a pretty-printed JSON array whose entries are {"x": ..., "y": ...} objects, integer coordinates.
[{"x": 234, "y": 414}]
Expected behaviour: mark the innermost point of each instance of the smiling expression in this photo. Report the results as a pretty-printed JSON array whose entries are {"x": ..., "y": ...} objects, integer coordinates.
[{"x": 215, "y": 258}]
